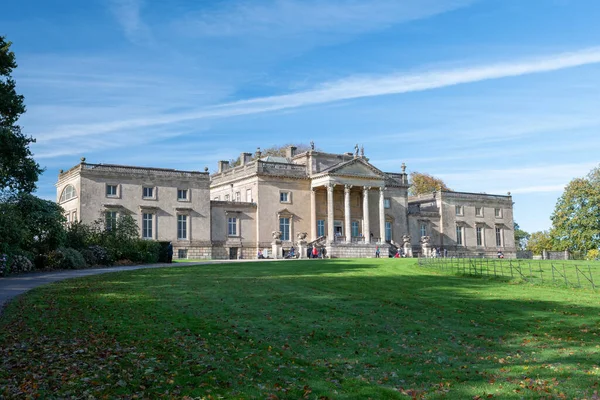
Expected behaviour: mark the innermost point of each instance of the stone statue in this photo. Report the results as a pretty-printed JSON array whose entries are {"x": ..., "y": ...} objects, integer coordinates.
[
  {"x": 356, "y": 149},
  {"x": 276, "y": 235},
  {"x": 312, "y": 145},
  {"x": 362, "y": 150},
  {"x": 406, "y": 246},
  {"x": 426, "y": 246},
  {"x": 302, "y": 236}
]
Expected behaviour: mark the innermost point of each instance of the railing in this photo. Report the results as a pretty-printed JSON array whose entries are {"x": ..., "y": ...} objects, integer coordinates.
[{"x": 567, "y": 274}]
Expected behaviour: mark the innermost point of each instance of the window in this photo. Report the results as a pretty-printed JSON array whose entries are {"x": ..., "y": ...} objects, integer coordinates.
[
  {"x": 388, "y": 231},
  {"x": 284, "y": 197},
  {"x": 110, "y": 220},
  {"x": 423, "y": 229},
  {"x": 459, "y": 235},
  {"x": 355, "y": 232},
  {"x": 148, "y": 192},
  {"x": 459, "y": 210},
  {"x": 67, "y": 194},
  {"x": 479, "y": 234},
  {"x": 386, "y": 203},
  {"x": 74, "y": 218},
  {"x": 498, "y": 212},
  {"x": 499, "y": 237},
  {"x": 182, "y": 194},
  {"x": 249, "y": 195},
  {"x": 111, "y": 190},
  {"x": 182, "y": 227},
  {"x": 68, "y": 216},
  {"x": 226, "y": 197},
  {"x": 231, "y": 226},
  {"x": 479, "y": 211},
  {"x": 238, "y": 196},
  {"x": 320, "y": 228},
  {"x": 182, "y": 253},
  {"x": 147, "y": 225},
  {"x": 284, "y": 228}
]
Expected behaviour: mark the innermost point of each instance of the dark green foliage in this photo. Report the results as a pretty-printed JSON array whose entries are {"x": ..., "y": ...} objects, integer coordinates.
[
  {"x": 101, "y": 255},
  {"x": 90, "y": 257},
  {"x": 18, "y": 170},
  {"x": 163, "y": 254},
  {"x": 28, "y": 222},
  {"x": 20, "y": 263},
  {"x": 66, "y": 258},
  {"x": 521, "y": 237},
  {"x": 576, "y": 218},
  {"x": 78, "y": 235}
]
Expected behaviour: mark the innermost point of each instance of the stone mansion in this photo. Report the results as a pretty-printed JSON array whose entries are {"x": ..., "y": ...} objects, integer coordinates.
[{"x": 340, "y": 203}]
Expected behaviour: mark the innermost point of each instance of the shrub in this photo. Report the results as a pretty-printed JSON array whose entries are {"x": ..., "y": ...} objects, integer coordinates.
[
  {"x": 20, "y": 263},
  {"x": 593, "y": 254},
  {"x": 41, "y": 261},
  {"x": 72, "y": 259},
  {"x": 90, "y": 257},
  {"x": 65, "y": 258},
  {"x": 102, "y": 255},
  {"x": 3, "y": 265}
]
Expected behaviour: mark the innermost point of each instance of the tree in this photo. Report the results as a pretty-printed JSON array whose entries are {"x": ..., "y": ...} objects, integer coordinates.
[
  {"x": 576, "y": 217},
  {"x": 18, "y": 171},
  {"x": 521, "y": 237},
  {"x": 421, "y": 183},
  {"x": 539, "y": 241}
]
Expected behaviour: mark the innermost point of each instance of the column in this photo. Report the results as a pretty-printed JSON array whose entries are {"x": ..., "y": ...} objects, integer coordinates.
[
  {"x": 330, "y": 235},
  {"x": 347, "y": 225},
  {"x": 366, "y": 222},
  {"x": 381, "y": 215},
  {"x": 313, "y": 214}
]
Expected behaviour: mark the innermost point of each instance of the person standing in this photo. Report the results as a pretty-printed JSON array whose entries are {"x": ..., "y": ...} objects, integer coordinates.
[
  {"x": 170, "y": 253},
  {"x": 377, "y": 252}
]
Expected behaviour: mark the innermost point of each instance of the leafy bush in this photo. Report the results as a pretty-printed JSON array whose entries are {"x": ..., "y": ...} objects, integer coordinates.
[
  {"x": 90, "y": 257},
  {"x": 40, "y": 261},
  {"x": 147, "y": 251},
  {"x": 102, "y": 255},
  {"x": 3, "y": 265},
  {"x": 20, "y": 263},
  {"x": 593, "y": 254},
  {"x": 66, "y": 258}
]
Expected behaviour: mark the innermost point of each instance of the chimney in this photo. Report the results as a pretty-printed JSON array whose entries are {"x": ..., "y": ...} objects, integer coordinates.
[
  {"x": 223, "y": 165},
  {"x": 245, "y": 158},
  {"x": 290, "y": 151}
]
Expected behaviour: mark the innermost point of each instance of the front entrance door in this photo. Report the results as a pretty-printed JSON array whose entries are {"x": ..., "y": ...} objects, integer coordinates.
[
  {"x": 233, "y": 253},
  {"x": 338, "y": 229}
]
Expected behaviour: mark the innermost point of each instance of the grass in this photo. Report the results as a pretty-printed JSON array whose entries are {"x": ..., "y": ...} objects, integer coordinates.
[
  {"x": 567, "y": 273},
  {"x": 315, "y": 329}
]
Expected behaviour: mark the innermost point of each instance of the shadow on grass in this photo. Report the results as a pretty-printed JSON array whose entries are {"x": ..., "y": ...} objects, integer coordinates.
[{"x": 346, "y": 329}]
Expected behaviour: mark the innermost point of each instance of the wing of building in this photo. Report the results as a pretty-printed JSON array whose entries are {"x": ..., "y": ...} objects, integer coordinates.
[{"x": 340, "y": 204}]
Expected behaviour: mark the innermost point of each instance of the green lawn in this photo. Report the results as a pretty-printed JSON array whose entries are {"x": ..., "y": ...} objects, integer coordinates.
[
  {"x": 315, "y": 329},
  {"x": 569, "y": 273}
]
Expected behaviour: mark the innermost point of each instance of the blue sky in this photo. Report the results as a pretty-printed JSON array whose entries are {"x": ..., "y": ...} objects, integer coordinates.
[{"x": 490, "y": 95}]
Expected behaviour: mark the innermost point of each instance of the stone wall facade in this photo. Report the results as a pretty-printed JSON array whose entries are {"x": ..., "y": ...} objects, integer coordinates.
[{"x": 339, "y": 199}]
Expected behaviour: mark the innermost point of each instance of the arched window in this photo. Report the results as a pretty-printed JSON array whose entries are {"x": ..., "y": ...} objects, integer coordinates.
[{"x": 67, "y": 194}]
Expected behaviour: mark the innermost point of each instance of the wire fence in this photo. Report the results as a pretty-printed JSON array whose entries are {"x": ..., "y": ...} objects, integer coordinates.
[{"x": 568, "y": 274}]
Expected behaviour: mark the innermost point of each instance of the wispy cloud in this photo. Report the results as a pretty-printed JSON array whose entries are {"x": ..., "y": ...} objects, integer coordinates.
[
  {"x": 292, "y": 17},
  {"x": 128, "y": 15},
  {"x": 347, "y": 89}
]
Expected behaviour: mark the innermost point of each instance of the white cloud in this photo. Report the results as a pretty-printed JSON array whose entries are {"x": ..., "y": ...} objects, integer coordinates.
[
  {"x": 346, "y": 89},
  {"x": 128, "y": 15},
  {"x": 292, "y": 17}
]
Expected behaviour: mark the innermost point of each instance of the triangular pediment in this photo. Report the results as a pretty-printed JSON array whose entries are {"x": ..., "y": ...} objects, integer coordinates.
[{"x": 358, "y": 168}]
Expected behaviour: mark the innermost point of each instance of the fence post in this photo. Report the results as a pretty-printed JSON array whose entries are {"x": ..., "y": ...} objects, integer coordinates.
[
  {"x": 530, "y": 272},
  {"x": 553, "y": 280},
  {"x": 565, "y": 275},
  {"x": 577, "y": 272},
  {"x": 591, "y": 278}
]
